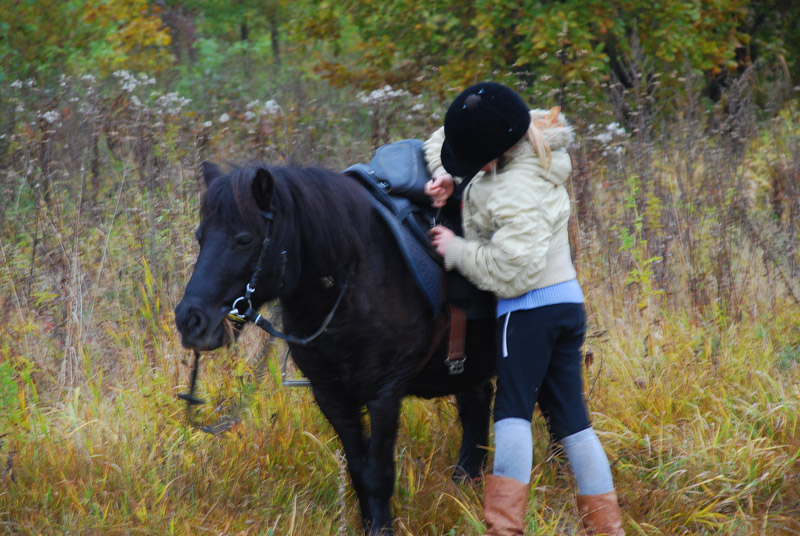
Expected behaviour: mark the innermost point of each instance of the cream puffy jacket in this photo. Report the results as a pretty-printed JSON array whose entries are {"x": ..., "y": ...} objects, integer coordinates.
[{"x": 515, "y": 219}]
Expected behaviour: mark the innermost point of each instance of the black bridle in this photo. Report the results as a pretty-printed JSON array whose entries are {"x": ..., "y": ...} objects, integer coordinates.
[
  {"x": 239, "y": 319},
  {"x": 255, "y": 317}
]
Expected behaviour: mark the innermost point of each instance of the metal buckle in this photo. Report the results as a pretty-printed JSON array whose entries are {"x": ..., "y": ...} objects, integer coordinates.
[
  {"x": 455, "y": 366},
  {"x": 234, "y": 315}
]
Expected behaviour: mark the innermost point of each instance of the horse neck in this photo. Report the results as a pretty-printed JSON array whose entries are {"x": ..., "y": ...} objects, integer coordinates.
[
  {"x": 317, "y": 286},
  {"x": 357, "y": 248}
]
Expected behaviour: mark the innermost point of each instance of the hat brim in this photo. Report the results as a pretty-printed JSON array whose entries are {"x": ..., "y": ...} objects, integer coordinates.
[{"x": 456, "y": 166}]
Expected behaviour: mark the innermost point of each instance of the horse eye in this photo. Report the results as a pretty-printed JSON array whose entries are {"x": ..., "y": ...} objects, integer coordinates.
[{"x": 244, "y": 240}]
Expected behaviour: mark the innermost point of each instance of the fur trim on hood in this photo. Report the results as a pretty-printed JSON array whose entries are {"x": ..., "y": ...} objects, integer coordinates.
[{"x": 554, "y": 127}]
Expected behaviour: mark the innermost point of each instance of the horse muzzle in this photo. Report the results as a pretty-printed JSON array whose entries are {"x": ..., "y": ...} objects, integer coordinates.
[{"x": 202, "y": 329}]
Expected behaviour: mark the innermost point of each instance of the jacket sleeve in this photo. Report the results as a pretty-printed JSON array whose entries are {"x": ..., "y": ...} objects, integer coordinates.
[
  {"x": 506, "y": 263},
  {"x": 433, "y": 155}
]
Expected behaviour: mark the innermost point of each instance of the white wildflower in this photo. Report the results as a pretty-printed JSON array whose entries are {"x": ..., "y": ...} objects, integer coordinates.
[
  {"x": 249, "y": 115},
  {"x": 615, "y": 129},
  {"x": 271, "y": 108},
  {"x": 207, "y": 124},
  {"x": 20, "y": 108},
  {"x": 612, "y": 130},
  {"x": 127, "y": 81},
  {"x": 224, "y": 118},
  {"x": 253, "y": 104},
  {"x": 418, "y": 107},
  {"x": 603, "y": 137},
  {"x": 136, "y": 102},
  {"x": 386, "y": 93},
  {"x": 172, "y": 103},
  {"x": 89, "y": 78},
  {"x": 16, "y": 84},
  {"x": 51, "y": 117},
  {"x": 30, "y": 82}
]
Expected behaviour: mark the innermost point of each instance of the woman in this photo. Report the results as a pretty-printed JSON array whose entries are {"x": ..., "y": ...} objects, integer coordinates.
[{"x": 515, "y": 214}]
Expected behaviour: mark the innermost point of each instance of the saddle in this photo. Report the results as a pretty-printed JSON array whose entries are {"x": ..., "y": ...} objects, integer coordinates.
[{"x": 396, "y": 178}]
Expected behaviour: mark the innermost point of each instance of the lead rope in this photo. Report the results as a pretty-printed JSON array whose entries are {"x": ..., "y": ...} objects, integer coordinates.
[
  {"x": 190, "y": 398},
  {"x": 227, "y": 422}
]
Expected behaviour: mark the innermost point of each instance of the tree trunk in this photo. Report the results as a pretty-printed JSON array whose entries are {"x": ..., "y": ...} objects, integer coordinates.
[{"x": 276, "y": 45}]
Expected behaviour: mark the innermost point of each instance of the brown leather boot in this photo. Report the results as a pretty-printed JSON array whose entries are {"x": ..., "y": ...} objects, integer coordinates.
[
  {"x": 504, "y": 503},
  {"x": 600, "y": 514}
]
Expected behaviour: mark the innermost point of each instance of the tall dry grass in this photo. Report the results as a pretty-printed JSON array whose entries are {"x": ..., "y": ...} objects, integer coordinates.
[{"x": 685, "y": 239}]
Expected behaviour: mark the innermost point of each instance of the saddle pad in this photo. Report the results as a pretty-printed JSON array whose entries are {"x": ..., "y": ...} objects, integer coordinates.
[
  {"x": 395, "y": 178},
  {"x": 427, "y": 273}
]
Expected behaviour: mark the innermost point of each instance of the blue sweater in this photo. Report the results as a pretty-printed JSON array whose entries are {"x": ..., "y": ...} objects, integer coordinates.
[{"x": 566, "y": 292}]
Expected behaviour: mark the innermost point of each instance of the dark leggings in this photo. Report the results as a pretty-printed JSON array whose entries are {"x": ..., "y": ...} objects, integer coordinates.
[{"x": 543, "y": 365}]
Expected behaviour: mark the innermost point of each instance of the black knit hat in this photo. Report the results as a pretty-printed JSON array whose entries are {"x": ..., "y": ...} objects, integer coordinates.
[{"x": 482, "y": 123}]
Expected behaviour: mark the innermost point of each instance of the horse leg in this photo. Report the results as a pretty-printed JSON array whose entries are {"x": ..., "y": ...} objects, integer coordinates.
[
  {"x": 346, "y": 419},
  {"x": 474, "y": 406},
  {"x": 379, "y": 473}
]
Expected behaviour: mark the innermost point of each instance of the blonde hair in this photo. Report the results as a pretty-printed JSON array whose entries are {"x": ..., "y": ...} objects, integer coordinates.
[
  {"x": 540, "y": 145},
  {"x": 536, "y": 138}
]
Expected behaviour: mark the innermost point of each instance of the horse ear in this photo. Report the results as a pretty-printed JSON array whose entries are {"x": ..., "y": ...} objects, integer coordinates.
[
  {"x": 263, "y": 188},
  {"x": 210, "y": 171}
]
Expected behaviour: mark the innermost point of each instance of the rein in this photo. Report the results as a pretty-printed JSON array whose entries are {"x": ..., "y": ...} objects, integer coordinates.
[{"x": 250, "y": 314}]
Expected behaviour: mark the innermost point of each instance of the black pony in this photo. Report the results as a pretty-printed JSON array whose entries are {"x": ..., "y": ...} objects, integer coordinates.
[{"x": 327, "y": 245}]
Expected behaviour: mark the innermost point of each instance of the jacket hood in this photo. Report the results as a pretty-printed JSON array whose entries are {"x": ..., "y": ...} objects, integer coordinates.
[
  {"x": 558, "y": 132},
  {"x": 559, "y": 135}
]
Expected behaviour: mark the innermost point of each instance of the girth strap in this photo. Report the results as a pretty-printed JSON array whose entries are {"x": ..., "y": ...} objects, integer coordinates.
[
  {"x": 454, "y": 321},
  {"x": 458, "y": 339}
]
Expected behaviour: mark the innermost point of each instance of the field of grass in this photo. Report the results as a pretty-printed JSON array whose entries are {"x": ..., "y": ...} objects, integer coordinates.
[{"x": 687, "y": 248}]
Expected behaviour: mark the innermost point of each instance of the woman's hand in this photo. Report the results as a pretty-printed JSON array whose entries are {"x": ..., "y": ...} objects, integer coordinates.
[
  {"x": 441, "y": 237},
  {"x": 439, "y": 189}
]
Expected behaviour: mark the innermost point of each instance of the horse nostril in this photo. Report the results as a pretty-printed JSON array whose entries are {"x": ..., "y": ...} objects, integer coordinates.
[
  {"x": 196, "y": 322},
  {"x": 190, "y": 320}
]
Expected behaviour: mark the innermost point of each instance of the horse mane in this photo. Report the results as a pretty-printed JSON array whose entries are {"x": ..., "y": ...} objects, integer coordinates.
[
  {"x": 330, "y": 213},
  {"x": 229, "y": 200}
]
